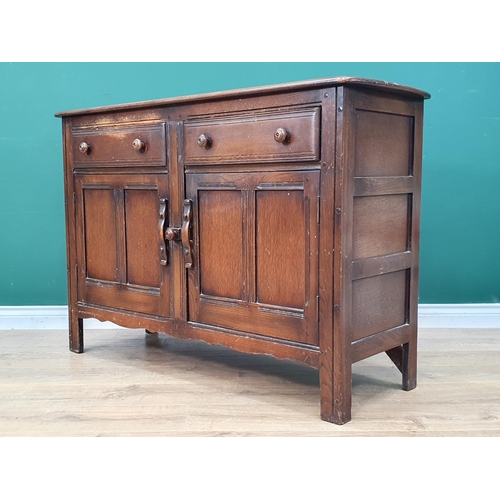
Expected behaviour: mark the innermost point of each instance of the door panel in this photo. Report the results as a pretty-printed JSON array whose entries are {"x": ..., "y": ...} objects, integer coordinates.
[
  {"x": 220, "y": 242},
  {"x": 118, "y": 250},
  {"x": 100, "y": 231},
  {"x": 281, "y": 248},
  {"x": 143, "y": 258},
  {"x": 255, "y": 253}
]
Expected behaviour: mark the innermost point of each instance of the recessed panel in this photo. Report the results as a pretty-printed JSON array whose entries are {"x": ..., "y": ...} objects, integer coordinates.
[
  {"x": 221, "y": 243},
  {"x": 100, "y": 233},
  {"x": 383, "y": 144},
  {"x": 141, "y": 221},
  {"x": 380, "y": 225},
  {"x": 281, "y": 248},
  {"x": 379, "y": 303}
]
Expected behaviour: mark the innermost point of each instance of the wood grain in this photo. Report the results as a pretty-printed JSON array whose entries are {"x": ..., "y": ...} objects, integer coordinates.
[
  {"x": 100, "y": 233},
  {"x": 250, "y": 139},
  {"x": 221, "y": 241},
  {"x": 255, "y": 246},
  {"x": 132, "y": 384},
  {"x": 113, "y": 145},
  {"x": 378, "y": 304},
  {"x": 281, "y": 248},
  {"x": 143, "y": 262},
  {"x": 380, "y": 225},
  {"x": 319, "y": 83},
  {"x": 383, "y": 144}
]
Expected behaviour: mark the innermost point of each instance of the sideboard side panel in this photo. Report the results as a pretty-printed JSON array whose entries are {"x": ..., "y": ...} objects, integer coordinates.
[{"x": 386, "y": 168}]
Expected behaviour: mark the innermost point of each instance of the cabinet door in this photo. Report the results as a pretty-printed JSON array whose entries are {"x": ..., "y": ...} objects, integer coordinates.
[
  {"x": 255, "y": 246},
  {"x": 122, "y": 261}
]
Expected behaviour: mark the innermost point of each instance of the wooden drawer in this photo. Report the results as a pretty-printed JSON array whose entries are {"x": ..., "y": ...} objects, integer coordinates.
[
  {"x": 119, "y": 146},
  {"x": 262, "y": 137}
]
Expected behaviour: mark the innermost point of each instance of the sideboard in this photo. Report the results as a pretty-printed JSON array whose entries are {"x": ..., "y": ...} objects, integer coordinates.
[{"x": 280, "y": 220}]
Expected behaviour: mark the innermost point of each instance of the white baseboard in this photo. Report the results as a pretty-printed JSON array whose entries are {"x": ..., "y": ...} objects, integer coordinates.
[
  {"x": 429, "y": 316},
  {"x": 42, "y": 318},
  {"x": 459, "y": 315}
]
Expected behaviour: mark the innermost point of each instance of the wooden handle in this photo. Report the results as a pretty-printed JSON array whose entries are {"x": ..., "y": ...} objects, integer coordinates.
[
  {"x": 282, "y": 136},
  {"x": 204, "y": 141},
  {"x": 161, "y": 235},
  {"x": 172, "y": 233},
  {"x": 186, "y": 240},
  {"x": 139, "y": 145},
  {"x": 84, "y": 148}
]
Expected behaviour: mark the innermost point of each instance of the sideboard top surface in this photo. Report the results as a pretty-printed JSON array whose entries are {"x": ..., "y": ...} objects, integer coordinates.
[{"x": 256, "y": 91}]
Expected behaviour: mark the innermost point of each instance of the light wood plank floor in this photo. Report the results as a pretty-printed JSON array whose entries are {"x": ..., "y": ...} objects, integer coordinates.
[{"x": 129, "y": 383}]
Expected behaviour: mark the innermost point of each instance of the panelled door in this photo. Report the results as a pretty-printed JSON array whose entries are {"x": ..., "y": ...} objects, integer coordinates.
[
  {"x": 255, "y": 252},
  {"x": 122, "y": 257}
]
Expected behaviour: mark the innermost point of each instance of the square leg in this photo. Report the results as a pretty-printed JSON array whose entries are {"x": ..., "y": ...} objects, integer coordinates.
[
  {"x": 75, "y": 332},
  {"x": 335, "y": 390},
  {"x": 405, "y": 359}
]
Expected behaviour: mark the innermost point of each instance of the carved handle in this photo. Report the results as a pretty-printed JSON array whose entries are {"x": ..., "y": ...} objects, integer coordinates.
[
  {"x": 84, "y": 148},
  {"x": 186, "y": 241},
  {"x": 281, "y": 135},
  {"x": 204, "y": 141},
  {"x": 139, "y": 145},
  {"x": 161, "y": 234}
]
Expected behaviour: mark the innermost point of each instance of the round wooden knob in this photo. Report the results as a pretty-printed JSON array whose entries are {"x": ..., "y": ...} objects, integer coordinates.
[
  {"x": 84, "y": 148},
  {"x": 281, "y": 135},
  {"x": 138, "y": 145},
  {"x": 172, "y": 233},
  {"x": 204, "y": 141}
]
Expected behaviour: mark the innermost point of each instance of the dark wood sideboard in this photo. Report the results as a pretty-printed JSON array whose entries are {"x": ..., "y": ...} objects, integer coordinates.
[{"x": 281, "y": 220}]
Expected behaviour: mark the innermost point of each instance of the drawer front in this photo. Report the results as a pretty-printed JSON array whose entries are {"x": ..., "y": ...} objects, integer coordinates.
[
  {"x": 120, "y": 146},
  {"x": 263, "y": 137}
]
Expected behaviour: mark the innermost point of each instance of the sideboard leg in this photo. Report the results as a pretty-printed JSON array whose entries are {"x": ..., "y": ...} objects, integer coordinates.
[
  {"x": 336, "y": 391},
  {"x": 405, "y": 359},
  {"x": 75, "y": 333},
  {"x": 409, "y": 368}
]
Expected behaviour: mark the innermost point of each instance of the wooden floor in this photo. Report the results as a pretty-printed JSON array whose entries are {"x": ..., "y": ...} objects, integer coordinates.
[{"x": 129, "y": 383}]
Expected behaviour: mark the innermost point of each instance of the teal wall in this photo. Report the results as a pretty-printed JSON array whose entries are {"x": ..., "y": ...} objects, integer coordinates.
[{"x": 461, "y": 188}]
